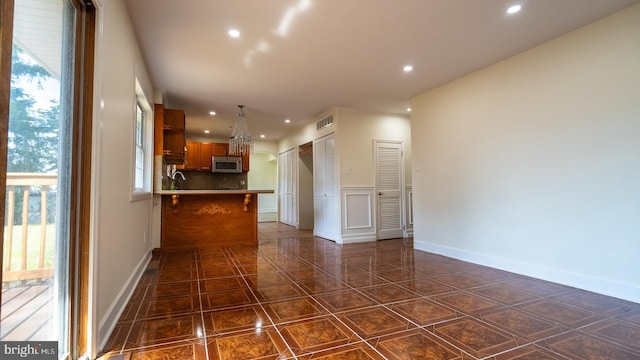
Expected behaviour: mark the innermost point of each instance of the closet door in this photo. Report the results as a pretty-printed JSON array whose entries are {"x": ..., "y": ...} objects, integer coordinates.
[
  {"x": 292, "y": 187},
  {"x": 282, "y": 188},
  {"x": 287, "y": 179},
  {"x": 325, "y": 202},
  {"x": 389, "y": 184}
]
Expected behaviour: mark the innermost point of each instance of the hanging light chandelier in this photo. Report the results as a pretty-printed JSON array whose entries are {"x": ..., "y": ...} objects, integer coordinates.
[{"x": 241, "y": 140}]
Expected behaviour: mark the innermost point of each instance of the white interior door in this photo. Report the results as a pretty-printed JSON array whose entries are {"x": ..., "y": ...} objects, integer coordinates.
[
  {"x": 287, "y": 174},
  {"x": 326, "y": 220},
  {"x": 389, "y": 183}
]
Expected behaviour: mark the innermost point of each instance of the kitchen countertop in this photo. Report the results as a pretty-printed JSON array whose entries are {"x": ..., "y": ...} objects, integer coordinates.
[{"x": 211, "y": 192}]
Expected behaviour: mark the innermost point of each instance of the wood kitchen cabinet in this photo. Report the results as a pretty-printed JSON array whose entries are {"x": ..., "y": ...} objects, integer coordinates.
[
  {"x": 198, "y": 155},
  {"x": 245, "y": 162},
  {"x": 192, "y": 157},
  {"x": 220, "y": 149},
  {"x": 210, "y": 219},
  {"x": 206, "y": 152},
  {"x": 173, "y": 142}
]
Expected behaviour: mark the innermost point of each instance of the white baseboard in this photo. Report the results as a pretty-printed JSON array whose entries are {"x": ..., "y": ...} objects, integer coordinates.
[
  {"x": 625, "y": 291},
  {"x": 108, "y": 322},
  {"x": 267, "y": 216},
  {"x": 358, "y": 238}
]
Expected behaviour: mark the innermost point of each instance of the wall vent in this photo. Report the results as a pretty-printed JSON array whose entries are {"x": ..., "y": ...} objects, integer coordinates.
[{"x": 324, "y": 122}]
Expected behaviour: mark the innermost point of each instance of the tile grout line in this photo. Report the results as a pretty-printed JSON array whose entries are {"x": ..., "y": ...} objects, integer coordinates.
[
  {"x": 431, "y": 298},
  {"x": 312, "y": 296},
  {"x": 383, "y": 305},
  {"x": 388, "y": 305},
  {"x": 246, "y": 282},
  {"x": 135, "y": 317},
  {"x": 202, "y": 323}
]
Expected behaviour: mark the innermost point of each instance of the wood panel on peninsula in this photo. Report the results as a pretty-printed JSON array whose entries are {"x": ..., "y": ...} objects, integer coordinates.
[{"x": 204, "y": 219}]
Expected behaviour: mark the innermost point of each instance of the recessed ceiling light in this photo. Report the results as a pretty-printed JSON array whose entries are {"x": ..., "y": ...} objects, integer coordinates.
[
  {"x": 212, "y": 112},
  {"x": 234, "y": 33},
  {"x": 514, "y": 9},
  {"x": 206, "y": 131},
  {"x": 408, "y": 109},
  {"x": 407, "y": 68},
  {"x": 262, "y": 136},
  {"x": 287, "y": 120}
]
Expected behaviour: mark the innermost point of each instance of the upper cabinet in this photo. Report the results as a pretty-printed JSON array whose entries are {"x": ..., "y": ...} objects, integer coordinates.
[
  {"x": 198, "y": 156},
  {"x": 245, "y": 162},
  {"x": 220, "y": 149},
  {"x": 206, "y": 152},
  {"x": 173, "y": 147},
  {"x": 192, "y": 157}
]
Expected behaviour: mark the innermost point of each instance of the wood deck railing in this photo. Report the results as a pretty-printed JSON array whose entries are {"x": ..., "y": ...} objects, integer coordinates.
[{"x": 22, "y": 272}]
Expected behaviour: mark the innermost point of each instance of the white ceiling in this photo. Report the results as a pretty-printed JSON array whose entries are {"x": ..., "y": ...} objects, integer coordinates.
[{"x": 297, "y": 58}]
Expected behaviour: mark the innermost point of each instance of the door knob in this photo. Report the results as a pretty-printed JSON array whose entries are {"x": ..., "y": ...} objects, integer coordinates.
[{"x": 380, "y": 193}]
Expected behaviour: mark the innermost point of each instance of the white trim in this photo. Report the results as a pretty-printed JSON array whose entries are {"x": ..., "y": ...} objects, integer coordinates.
[
  {"x": 369, "y": 219},
  {"x": 267, "y": 217},
  {"x": 626, "y": 291},
  {"x": 145, "y": 193},
  {"x": 141, "y": 195},
  {"x": 267, "y": 213},
  {"x": 352, "y": 232},
  {"x": 358, "y": 238},
  {"x": 110, "y": 319},
  {"x": 408, "y": 208},
  {"x": 94, "y": 211}
]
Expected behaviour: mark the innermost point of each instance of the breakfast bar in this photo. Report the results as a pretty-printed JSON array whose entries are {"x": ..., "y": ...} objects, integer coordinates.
[{"x": 205, "y": 219}]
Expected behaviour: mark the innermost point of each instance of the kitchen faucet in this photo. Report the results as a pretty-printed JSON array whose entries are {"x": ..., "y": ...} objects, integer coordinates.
[
  {"x": 171, "y": 174},
  {"x": 178, "y": 173}
]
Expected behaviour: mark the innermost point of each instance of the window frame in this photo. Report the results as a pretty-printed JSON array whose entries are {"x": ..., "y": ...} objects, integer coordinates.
[{"x": 145, "y": 192}]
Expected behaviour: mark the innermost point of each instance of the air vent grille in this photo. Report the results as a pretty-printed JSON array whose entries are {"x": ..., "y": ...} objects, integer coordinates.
[{"x": 324, "y": 122}]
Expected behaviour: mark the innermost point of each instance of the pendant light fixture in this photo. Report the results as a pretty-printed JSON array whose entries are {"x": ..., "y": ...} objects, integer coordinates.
[{"x": 241, "y": 140}]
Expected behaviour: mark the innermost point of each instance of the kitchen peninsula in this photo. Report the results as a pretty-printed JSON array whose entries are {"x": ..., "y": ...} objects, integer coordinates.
[{"x": 205, "y": 219}]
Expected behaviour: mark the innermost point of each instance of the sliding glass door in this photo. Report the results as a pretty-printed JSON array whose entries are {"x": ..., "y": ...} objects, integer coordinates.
[{"x": 41, "y": 217}]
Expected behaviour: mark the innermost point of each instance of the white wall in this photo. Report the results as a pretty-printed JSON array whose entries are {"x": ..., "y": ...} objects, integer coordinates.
[
  {"x": 533, "y": 164},
  {"x": 263, "y": 175},
  {"x": 121, "y": 227},
  {"x": 355, "y": 132},
  {"x": 358, "y": 130},
  {"x": 307, "y": 133}
]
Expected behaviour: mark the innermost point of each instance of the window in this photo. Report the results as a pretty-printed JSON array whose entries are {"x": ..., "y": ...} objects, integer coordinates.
[
  {"x": 142, "y": 147},
  {"x": 139, "y": 177}
]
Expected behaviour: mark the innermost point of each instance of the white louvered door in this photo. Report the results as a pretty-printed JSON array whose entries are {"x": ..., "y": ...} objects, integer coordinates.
[{"x": 389, "y": 183}]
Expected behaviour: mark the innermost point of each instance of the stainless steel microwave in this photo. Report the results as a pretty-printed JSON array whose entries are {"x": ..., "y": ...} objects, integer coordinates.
[{"x": 226, "y": 164}]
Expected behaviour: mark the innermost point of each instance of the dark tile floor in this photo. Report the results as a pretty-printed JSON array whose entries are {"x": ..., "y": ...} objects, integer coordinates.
[{"x": 300, "y": 297}]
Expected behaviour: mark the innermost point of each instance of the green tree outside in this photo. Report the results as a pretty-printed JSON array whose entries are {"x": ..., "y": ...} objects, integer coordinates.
[{"x": 33, "y": 131}]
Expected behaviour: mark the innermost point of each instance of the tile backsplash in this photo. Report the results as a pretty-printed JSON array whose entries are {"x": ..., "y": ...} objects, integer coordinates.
[{"x": 203, "y": 180}]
